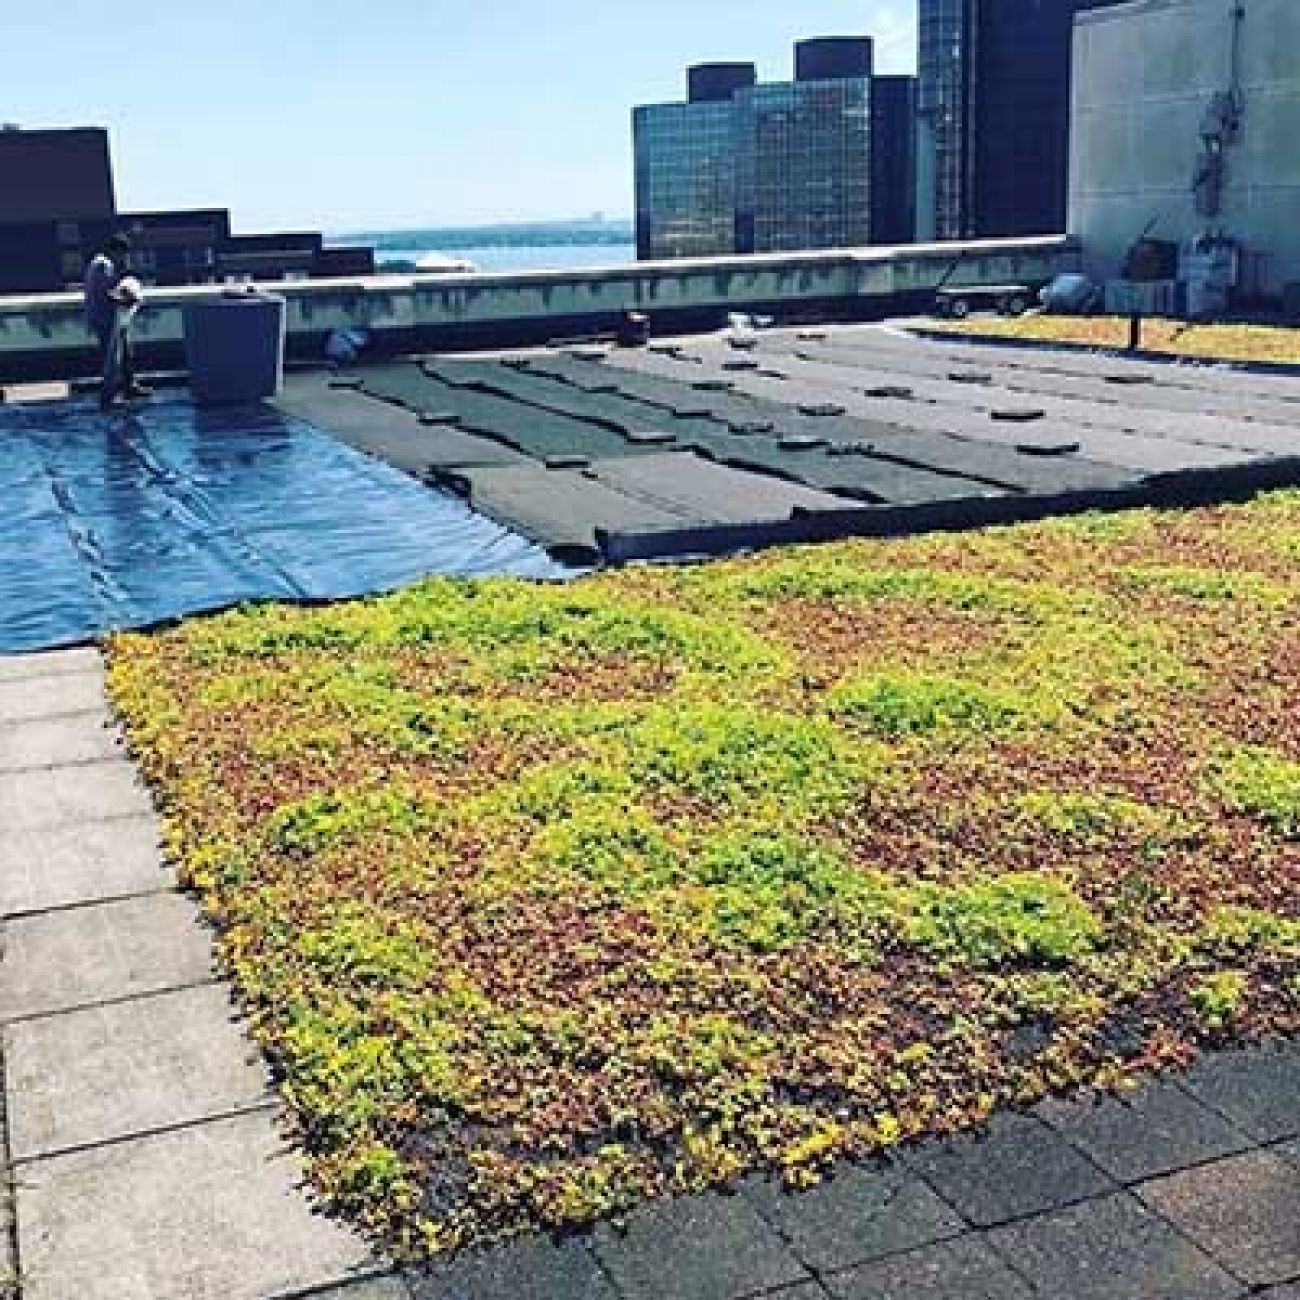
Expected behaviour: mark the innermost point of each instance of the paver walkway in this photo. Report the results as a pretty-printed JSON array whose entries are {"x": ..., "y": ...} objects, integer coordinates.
[
  {"x": 140, "y": 1130},
  {"x": 141, "y": 1137}
]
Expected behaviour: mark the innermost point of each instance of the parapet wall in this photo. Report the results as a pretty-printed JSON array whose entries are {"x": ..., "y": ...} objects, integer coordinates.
[{"x": 44, "y": 337}]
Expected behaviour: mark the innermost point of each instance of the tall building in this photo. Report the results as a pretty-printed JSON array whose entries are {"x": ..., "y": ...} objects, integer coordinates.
[
  {"x": 686, "y": 166},
  {"x": 994, "y": 108},
  {"x": 1188, "y": 113},
  {"x": 893, "y": 160},
  {"x": 823, "y": 161},
  {"x": 57, "y": 207},
  {"x": 803, "y": 153}
]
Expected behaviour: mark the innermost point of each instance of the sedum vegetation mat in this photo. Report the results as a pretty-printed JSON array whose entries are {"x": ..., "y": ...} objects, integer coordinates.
[
  {"x": 1213, "y": 342},
  {"x": 547, "y": 899}
]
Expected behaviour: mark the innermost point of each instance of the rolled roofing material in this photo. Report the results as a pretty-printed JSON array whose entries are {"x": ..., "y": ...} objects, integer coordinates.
[
  {"x": 561, "y": 509},
  {"x": 887, "y": 354},
  {"x": 690, "y": 486},
  {"x": 538, "y": 433},
  {"x": 1270, "y": 431},
  {"x": 390, "y": 432},
  {"x": 132, "y": 520},
  {"x": 1206, "y": 376},
  {"x": 1152, "y": 453}
]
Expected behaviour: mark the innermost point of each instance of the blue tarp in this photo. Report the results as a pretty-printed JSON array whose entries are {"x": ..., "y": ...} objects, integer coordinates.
[{"x": 125, "y": 521}]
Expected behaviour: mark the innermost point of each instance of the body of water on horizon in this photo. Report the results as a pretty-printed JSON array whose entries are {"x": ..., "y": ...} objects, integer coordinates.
[{"x": 522, "y": 257}]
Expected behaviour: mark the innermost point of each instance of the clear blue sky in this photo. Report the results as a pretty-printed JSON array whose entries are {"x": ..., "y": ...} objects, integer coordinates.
[{"x": 344, "y": 114}]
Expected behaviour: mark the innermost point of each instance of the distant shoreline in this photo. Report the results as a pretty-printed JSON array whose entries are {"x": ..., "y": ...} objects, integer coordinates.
[{"x": 455, "y": 239}]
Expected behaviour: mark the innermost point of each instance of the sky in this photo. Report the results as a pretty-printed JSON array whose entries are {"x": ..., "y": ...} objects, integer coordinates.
[{"x": 348, "y": 115}]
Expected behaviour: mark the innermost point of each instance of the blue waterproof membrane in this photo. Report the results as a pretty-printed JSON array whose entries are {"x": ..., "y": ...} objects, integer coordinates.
[{"x": 124, "y": 521}]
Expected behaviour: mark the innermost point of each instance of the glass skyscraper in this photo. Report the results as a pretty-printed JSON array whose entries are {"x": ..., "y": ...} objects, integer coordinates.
[
  {"x": 946, "y": 35},
  {"x": 751, "y": 168},
  {"x": 803, "y": 158},
  {"x": 685, "y": 179},
  {"x": 995, "y": 107}
]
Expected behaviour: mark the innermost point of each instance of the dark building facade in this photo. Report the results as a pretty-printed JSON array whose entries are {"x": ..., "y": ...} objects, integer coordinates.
[
  {"x": 893, "y": 160},
  {"x": 685, "y": 166},
  {"x": 57, "y": 209},
  {"x": 994, "y": 109},
  {"x": 744, "y": 167}
]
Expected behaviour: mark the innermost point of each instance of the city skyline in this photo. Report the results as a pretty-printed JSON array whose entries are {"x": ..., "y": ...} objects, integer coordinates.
[{"x": 301, "y": 115}]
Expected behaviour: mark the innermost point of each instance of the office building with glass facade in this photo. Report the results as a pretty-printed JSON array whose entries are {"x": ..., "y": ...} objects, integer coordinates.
[
  {"x": 994, "y": 109},
  {"x": 749, "y": 168},
  {"x": 685, "y": 179}
]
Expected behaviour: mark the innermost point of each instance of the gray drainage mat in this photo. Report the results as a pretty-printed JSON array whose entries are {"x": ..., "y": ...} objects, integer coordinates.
[{"x": 128, "y": 521}]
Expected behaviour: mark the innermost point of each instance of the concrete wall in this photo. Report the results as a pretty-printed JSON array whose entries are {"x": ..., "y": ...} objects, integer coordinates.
[
  {"x": 1143, "y": 75},
  {"x": 44, "y": 337}
]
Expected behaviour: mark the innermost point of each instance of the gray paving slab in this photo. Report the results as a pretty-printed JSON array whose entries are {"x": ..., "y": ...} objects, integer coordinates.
[
  {"x": 211, "y": 1212},
  {"x": 50, "y": 663},
  {"x": 46, "y": 799},
  {"x": 24, "y": 699},
  {"x": 57, "y": 741},
  {"x": 1156, "y": 1129},
  {"x": 532, "y": 1269},
  {"x": 1291, "y": 1292},
  {"x": 965, "y": 1268},
  {"x": 697, "y": 1248},
  {"x": 1288, "y": 1151},
  {"x": 800, "y": 1291},
  {"x": 68, "y": 866},
  {"x": 858, "y": 1215},
  {"x": 1020, "y": 1167},
  {"x": 1245, "y": 1211},
  {"x": 57, "y": 961},
  {"x": 1111, "y": 1249},
  {"x": 1257, "y": 1088},
  {"x": 99, "y": 1075}
]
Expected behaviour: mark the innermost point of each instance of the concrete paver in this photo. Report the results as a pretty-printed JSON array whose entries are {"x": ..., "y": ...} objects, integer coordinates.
[
  {"x": 64, "y": 796},
  {"x": 111, "y": 1072},
  {"x": 1111, "y": 1249},
  {"x": 50, "y": 742},
  {"x": 1244, "y": 1210},
  {"x": 961, "y": 1269},
  {"x": 1257, "y": 1088},
  {"x": 63, "y": 960},
  {"x": 212, "y": 1212},
  {"x": 56, "y": 663},
  {"x": 53, "y": 867},
  {"x": 1153, "y": 1130},
  {"x": 1021, "y": 1167},
  {"x": 858, "y": 1215},
  {"x": 536, "y": 1269},
  {"x": 25, "y": 699},
  {"x": 698, "y": 1248}
]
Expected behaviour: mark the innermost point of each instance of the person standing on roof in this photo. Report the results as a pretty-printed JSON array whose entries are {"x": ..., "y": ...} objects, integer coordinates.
[{"x": 112, "y": 298}]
